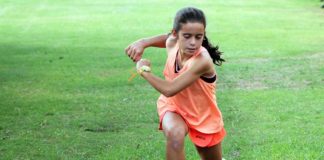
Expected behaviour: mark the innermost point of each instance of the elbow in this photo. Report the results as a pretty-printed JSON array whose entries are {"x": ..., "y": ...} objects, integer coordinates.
[
  {"x": 169, "y": 93},
  {"x": 168, "y": 89}
]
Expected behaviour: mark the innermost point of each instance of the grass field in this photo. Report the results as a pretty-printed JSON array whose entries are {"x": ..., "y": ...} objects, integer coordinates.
[{"x": 63, "y": 78}]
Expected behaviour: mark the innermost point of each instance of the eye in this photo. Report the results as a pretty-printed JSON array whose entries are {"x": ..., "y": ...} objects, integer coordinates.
[
  {"x": 186, "y": 36},
  {"x": 199, "y": 37}
]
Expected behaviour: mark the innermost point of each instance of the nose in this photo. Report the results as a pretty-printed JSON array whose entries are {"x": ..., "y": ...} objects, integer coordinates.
[{"x": 192, "y": 41}]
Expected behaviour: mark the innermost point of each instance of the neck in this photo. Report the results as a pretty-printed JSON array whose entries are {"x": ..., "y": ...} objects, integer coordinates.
[{"x": 183, "y": 57}]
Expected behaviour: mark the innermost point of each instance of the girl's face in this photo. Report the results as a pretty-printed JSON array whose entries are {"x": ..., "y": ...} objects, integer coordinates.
[{"x": 190, "y": 37}]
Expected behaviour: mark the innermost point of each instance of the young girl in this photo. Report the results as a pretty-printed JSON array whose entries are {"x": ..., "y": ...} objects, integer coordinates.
[{"x": 187, "y": 104}]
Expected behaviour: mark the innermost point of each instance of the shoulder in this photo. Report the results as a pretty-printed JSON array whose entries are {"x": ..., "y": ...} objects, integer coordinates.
[
  {"x": 171, "y": 42},
  {"x": 203, "y": 58},
  {"x": 203, "y": 63}
]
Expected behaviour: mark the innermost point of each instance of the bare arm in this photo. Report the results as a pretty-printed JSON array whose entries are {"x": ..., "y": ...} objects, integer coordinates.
[
  {"x": 155, "y": 41},
  {"x": 136, "y": 49},
  {"x": 170, "y": 88}
]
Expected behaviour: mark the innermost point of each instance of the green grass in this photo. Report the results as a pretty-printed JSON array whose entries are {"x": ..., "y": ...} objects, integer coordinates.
[{"x": 63, "y": 78}]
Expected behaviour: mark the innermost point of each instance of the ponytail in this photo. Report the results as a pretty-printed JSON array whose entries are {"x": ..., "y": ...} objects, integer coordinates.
[{"x": 214, "y": 53}]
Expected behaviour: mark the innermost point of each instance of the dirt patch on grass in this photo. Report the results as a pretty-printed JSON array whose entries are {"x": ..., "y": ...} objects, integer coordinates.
[
  {"x": 263, "y": 73},
  {"x": 102, "y": 128},
  {"x": 244, "y": 84}
]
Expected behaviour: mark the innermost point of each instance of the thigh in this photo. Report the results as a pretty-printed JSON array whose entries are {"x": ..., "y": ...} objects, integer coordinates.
[
  {"x": 210, "y": 153},
  {"x": 173, "y": 122}
]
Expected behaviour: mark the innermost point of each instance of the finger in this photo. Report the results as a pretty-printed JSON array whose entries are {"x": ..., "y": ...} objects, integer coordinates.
[
  {"x": 133, "y": 59},
  {"x": 130, "y": 55},
  {"x": 127, "y": 49},
  {"x": 133, "y": 53},
  {"x": 130, "y": 51},
  {"x": 138, "y": 56}
]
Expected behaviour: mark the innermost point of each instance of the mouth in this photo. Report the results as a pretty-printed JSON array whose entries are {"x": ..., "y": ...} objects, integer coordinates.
[{"x": 191, "y": 49}]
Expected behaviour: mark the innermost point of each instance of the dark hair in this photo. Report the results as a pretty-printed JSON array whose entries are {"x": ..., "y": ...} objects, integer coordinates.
[{"x": 190, "y": 14}]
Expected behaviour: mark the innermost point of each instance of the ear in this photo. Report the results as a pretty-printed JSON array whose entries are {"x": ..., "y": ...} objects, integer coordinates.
[{"x": 174, "y": 33}]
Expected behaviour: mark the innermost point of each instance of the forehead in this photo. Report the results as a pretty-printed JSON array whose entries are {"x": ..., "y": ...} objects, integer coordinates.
[{"x": 193, "y": 28}]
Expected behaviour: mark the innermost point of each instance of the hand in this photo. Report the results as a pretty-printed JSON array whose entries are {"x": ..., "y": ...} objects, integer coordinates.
[
  {"x": 142, "y": 62},
  {"x": 135, "y": 50}
]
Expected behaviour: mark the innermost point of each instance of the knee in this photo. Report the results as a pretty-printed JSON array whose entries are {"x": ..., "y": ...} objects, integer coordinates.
[{"x": 175, "y": 137}]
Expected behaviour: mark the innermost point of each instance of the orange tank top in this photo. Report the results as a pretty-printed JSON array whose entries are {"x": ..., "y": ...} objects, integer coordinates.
[{"x": 196, "y": 103}]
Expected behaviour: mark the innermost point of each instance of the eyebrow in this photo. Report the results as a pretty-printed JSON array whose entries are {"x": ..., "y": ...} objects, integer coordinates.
[{"x": 192, "y": 34}]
